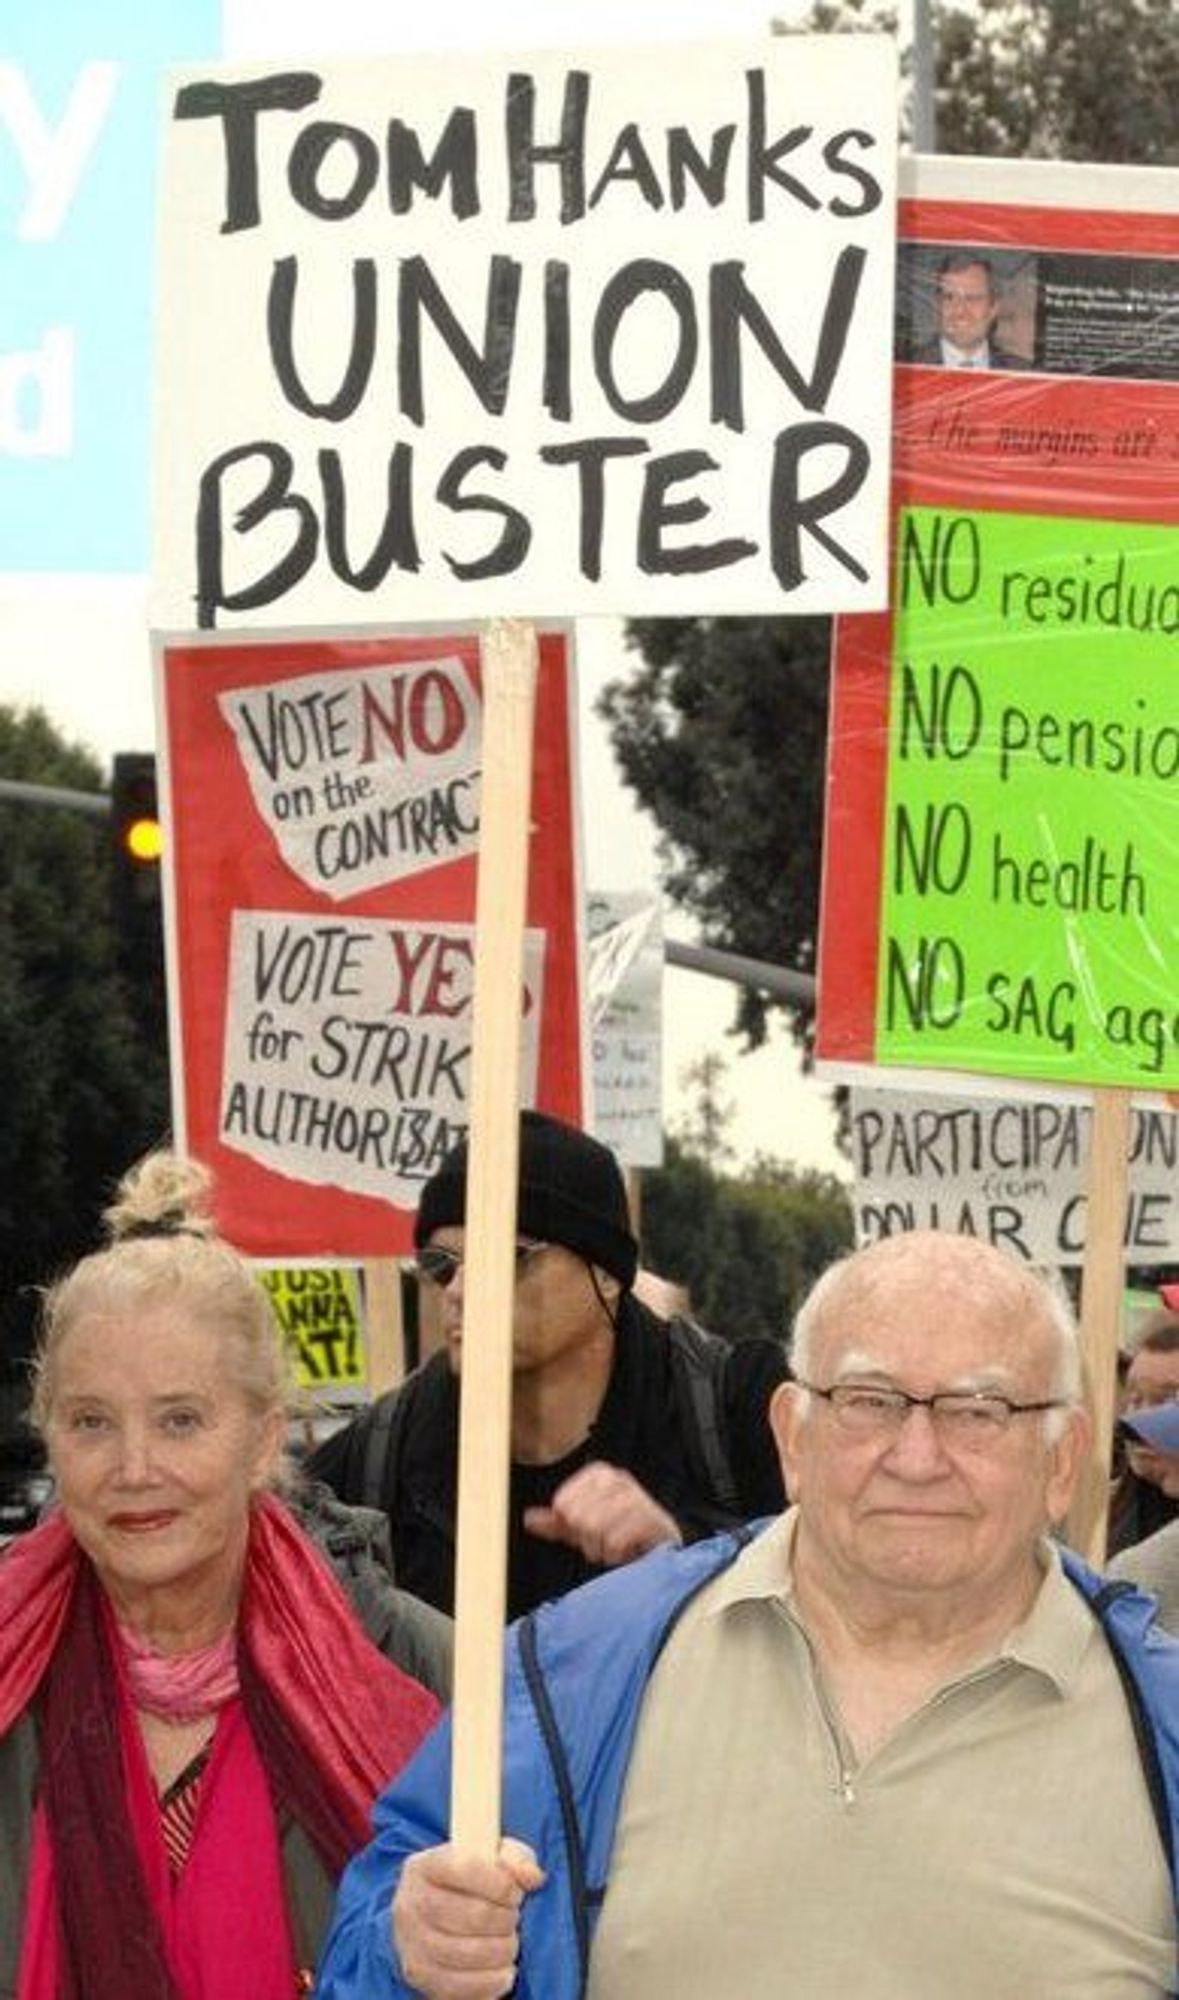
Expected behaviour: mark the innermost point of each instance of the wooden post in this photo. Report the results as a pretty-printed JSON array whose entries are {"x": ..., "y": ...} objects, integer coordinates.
[
  {"x": 509, "y": 696},
  {"x": 384, "y": 1324},
  {"x": 634, "y": 1201},
  {"x": 1101, "y": 1305}
]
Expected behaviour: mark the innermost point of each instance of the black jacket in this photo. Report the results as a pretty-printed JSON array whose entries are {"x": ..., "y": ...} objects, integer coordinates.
[
  {"x": 1137, "y": 1508},
  {"x": 403, "y": 1450},
  {"x": 355, "y": 1540}
]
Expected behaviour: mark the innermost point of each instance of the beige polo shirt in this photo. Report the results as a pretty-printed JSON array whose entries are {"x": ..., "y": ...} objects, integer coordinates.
[{"x": 1000, "y": 1845}]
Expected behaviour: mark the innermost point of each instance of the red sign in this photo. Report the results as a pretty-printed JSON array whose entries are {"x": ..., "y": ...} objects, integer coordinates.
[
  {"x": 995, "y": 889},
  {"x": 323, "y": 802}
]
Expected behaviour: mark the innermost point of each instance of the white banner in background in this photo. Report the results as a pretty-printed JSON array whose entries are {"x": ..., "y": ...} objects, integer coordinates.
[
  {"x": 625, "y": 968},
  {"x": 1010, "y": 1170}
]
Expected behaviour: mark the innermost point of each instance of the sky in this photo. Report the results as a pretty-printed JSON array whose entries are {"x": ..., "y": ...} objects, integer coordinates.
[{"x": 79, "y": 647}]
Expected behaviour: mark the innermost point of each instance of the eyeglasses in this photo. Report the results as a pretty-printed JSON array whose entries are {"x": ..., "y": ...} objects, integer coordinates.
[
  {"x": 439, "y": 1264},
  {"x": 970, "y": 1418}
]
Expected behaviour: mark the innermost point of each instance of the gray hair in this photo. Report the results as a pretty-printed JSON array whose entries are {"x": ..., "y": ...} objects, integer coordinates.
[
  {"x": 1028, "y": 1290},
  {"x": 165, "y": 1252}
]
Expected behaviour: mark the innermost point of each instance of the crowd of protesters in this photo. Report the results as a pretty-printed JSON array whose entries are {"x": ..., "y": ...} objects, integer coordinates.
[{"x": 805, "y": 1692}]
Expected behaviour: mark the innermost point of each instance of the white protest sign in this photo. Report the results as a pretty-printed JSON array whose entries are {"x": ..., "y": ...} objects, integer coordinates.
[
  {"x": 372, "y": 1087},
  {"x": 544, "y": 334},
  {"x": 625, "y": 975},
  {"x": 619, "y": 927},
  {"x": 366, "y": 779},
  {"x": 1010, "y": 1170}
]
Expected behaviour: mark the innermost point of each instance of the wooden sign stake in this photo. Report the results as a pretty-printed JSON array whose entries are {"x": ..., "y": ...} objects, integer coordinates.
[
  {"x": 384, "y": 1324},
  {"x": 509, "y": 658},
  {"x": 1101, "y": 1304}
]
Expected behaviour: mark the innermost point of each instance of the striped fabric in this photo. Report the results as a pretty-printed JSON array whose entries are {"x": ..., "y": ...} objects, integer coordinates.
[{"x": 178, "y": 1810}]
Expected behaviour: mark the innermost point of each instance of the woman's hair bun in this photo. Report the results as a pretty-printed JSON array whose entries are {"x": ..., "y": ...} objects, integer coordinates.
[{"x": 162, "y": 1195}]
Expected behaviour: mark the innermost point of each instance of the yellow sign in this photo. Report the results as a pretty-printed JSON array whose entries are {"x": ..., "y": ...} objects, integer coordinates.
[{"x": 319, "y": 1313}]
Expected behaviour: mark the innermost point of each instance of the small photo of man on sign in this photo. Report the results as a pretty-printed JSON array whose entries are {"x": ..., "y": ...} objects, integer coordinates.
[{"x": 964, "y": 307}]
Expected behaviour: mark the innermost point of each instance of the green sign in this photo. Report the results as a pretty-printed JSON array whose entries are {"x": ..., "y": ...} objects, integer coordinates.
[{"x": 1030, "y": 882}]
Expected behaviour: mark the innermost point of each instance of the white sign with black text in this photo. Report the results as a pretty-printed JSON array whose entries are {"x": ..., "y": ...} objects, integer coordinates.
[
  {"x": 539, "y": 335},
  {"x": 624, "y": 964},
  {"x": 1010, "y": 1170}
]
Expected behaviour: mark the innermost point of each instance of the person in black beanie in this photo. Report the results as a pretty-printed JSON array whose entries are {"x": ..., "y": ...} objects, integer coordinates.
[{"x": 627, "y": 1430}]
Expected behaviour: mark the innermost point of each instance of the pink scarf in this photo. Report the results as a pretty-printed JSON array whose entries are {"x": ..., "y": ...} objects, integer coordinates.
[
  {"x": 329, "y": 1721},
  {"x": 222, "y": 1928},
  {"x": 180, "y": 1687}
]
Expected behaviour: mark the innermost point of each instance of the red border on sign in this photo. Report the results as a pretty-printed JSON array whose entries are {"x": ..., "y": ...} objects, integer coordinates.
[
  {"x": 857, "y": 779},
  {"x": 223, "y": 857},
  {"x": 956, "y": 443}
]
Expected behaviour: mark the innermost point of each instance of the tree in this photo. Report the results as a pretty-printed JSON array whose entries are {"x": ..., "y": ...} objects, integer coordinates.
[
  {"x": 1045, "y": 79},
  {"x": 721, "y": 730},
  {"x": 705, "y": 1130},
  {"x": 82, "y": 1096},
  {"x": 745, "y": 1248},
  {"x": 721, "y": 734}
]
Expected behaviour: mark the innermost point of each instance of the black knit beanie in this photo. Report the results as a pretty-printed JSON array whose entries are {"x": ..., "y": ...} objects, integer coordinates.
[{"x": 571, "y": 1191}]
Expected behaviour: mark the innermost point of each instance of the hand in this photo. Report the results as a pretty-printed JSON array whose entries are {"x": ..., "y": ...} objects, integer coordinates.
[
  {"x": 456, "y": 1920},
  {"x": 604, "y": 1512}
]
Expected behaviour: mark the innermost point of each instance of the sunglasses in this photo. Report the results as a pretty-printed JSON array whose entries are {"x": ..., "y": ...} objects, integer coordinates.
[{"x": 439, "y": 1264}]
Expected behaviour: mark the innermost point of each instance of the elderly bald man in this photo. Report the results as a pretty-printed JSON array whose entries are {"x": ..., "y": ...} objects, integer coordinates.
[{"x": 893, "y": 1743}]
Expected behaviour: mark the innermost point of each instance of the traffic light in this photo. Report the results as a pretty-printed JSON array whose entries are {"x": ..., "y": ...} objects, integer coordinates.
[{"x": 136, "y": 846}]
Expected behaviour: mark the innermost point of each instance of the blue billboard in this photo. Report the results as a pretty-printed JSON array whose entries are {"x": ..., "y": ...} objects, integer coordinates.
[{"x": 80, "y": 120}]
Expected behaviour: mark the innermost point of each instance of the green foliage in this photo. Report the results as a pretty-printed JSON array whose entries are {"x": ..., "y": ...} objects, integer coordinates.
[
  {"x": 1059, "y": 79},
  {"x": 1044, "y": 79},
  {"x": 720, "y": 732},
  {"x": 704, "y": 1131},
  {"x": 81, "y": 1097},
  {"x": 746, "y": 1249}
]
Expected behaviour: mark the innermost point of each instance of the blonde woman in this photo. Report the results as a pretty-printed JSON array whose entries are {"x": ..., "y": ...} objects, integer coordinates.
[{"x": 192, "y": 1721}]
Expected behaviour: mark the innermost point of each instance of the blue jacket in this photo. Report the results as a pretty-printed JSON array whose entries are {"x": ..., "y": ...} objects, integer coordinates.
[{"x": 574, "y": 1678}]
